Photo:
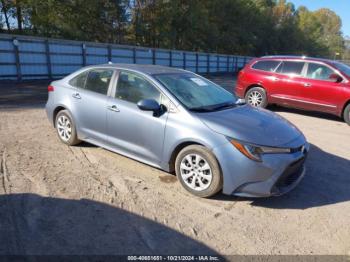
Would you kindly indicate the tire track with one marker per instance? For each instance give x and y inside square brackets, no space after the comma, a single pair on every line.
[4,173]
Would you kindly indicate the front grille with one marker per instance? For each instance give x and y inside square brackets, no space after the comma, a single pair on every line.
[291,174]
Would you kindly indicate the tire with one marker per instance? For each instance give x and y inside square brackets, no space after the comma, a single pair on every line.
[210,176]
[346,114]
[256,97]
[65,128]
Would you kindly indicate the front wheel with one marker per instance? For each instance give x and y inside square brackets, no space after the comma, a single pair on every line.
[198,171]
[257,97]
[347,114]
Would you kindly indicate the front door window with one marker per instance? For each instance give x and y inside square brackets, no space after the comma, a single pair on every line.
[132,87]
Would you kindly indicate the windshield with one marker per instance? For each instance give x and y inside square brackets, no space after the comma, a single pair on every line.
[197,93]
[343,67]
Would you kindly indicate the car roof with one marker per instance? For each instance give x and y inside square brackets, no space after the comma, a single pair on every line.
[282,57]
[146,69]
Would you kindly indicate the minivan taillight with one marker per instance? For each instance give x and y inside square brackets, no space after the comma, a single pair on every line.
[50,88]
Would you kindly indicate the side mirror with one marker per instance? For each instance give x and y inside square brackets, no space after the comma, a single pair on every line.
[148,105]
[335,78]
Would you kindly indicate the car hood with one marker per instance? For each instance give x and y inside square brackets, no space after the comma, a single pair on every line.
[252,125]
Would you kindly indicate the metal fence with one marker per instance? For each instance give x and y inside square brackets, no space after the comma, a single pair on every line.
[28,57]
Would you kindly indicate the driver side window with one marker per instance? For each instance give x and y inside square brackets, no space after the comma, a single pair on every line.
[132,87]
[319,72]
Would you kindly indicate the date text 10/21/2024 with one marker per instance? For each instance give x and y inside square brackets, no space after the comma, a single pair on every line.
[173,258]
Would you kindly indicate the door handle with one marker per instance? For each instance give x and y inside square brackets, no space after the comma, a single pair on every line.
[113,108]
[273,78]
[76,95]
[307,85]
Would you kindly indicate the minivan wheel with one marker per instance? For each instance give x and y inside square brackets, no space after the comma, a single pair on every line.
[347,114]
[66,129]
[256,96]
[198,171]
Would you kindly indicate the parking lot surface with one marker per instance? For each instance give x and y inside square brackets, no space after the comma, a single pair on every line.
[56,199]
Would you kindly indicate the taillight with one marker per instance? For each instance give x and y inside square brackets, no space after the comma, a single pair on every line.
[240,73]
[50,88]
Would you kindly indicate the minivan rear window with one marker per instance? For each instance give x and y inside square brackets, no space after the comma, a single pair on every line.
[268,65]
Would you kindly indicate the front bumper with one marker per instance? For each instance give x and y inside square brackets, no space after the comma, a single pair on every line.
[277,185]
[277,174]
[239,90]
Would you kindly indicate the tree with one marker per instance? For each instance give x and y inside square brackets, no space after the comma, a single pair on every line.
[346,53]
[103,20]
[321,31]
[4,11]
[246,27]
[330,30]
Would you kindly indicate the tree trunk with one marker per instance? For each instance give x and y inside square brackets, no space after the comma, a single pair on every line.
[4,9]
[19,14]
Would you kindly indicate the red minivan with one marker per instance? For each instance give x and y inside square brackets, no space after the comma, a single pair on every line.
[301,82]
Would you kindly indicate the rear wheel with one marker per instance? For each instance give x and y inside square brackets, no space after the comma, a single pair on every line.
[198,171]
[256,96]
[66,129]
[347,114]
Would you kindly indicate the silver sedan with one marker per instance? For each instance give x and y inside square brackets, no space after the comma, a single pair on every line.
[180,122]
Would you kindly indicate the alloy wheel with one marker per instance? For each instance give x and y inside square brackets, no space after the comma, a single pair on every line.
[255,98]
[64,128]
[196,172]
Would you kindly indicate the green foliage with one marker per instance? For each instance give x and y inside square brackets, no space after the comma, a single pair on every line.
[321,31]
[246,27]
[346,55]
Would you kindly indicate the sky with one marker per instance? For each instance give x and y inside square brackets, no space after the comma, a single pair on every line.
[340,7]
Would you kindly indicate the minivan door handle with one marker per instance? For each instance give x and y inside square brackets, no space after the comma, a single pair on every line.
[273,78]
[113,108]
[76,95]
[307,84]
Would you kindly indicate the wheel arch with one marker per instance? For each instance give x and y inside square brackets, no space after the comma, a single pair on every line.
[252,86]
[57,109]
[177,150]
[343,109]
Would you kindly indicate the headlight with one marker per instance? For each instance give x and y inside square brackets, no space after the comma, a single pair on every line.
[254,152]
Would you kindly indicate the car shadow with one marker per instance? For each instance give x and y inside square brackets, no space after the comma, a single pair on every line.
[85,144]
[277,108]
[33,224]
[326,182]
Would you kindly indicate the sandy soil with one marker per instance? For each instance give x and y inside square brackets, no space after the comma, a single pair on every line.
[56,199]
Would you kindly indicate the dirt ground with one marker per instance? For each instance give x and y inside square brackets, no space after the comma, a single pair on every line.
[56,199]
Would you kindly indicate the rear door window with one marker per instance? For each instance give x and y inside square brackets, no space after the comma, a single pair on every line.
[79,80]
[268,65]
[291,68]
[98,80]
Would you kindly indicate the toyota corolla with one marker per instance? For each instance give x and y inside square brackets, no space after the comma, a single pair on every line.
[179,122]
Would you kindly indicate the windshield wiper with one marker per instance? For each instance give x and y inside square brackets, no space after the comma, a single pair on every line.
[224,106]
[201,109]
[213,107]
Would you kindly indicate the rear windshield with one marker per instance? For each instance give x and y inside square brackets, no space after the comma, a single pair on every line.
[268,65]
